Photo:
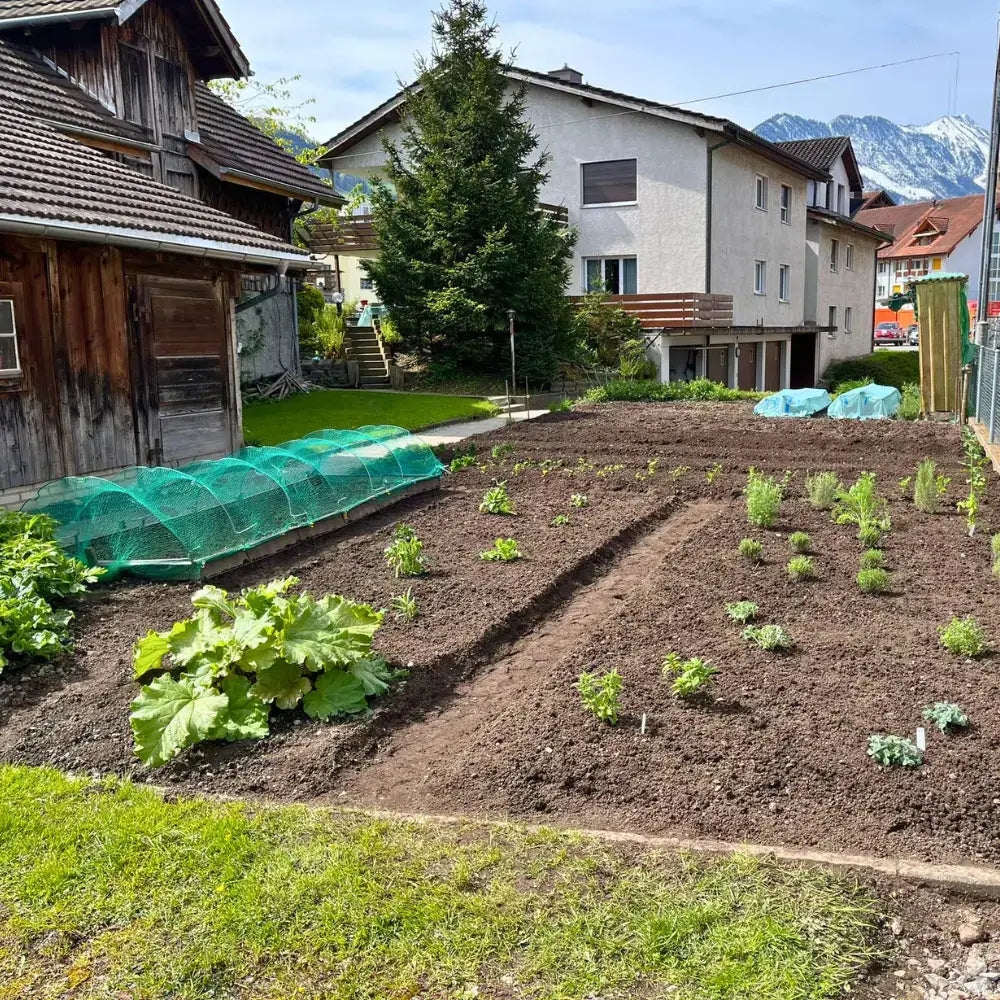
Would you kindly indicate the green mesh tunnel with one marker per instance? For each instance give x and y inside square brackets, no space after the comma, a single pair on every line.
[170,523]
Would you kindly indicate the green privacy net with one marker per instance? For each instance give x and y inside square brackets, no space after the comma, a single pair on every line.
[167,524]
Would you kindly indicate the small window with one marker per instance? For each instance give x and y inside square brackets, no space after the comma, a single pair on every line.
[784,283]
[367,284]
[612,182]
[786,204]
[614,275]
[760,192]
[833,318]
[760,277]
[849,260]
[840,198]
[834,255]
[10,362]
[848,319]
[883,267]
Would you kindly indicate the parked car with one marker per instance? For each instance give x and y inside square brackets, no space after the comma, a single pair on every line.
[889,333]
[913,335]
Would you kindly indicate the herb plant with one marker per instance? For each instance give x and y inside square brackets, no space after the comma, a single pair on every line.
[873,581]
[801,568]
[894,751]
[405,605]
[689,677]
[946,715]
[862,506]
[872,559]
[497,501]
[405,553]
[742,612]
[579,500]
[601,695]
[679,472]
[925,493]
[561,520]
[822,489]
[237,658]
[769,637]
[751,549]
[763,498]
[800,542]
[504,550]
[712,474]
[964,637]
[995,549]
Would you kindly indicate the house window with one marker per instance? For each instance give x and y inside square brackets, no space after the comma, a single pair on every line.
[848,318]
[784,282]
[760,277]
[832,318]
[611,182]
[760,192]
[367,284]
[840,199]
[10,363]
[883,267]
[614,275]
[137,95]
[834,255]
[786,204]
[849,260]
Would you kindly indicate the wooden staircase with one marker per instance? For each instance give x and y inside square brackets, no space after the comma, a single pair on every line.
[366,349]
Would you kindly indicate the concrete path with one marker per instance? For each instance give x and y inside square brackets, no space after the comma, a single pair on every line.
[454,433]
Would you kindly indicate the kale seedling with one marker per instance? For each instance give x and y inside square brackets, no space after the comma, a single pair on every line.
[946,715]
[894,751]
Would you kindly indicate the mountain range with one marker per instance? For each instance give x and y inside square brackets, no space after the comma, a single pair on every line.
[945,159]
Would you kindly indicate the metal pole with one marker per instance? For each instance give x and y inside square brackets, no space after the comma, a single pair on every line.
[989,209]
[513,364]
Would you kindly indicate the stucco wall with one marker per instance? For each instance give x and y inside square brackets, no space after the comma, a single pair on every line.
[742,233]
[967,259]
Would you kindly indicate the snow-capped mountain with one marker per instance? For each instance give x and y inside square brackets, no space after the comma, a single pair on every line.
[945,159]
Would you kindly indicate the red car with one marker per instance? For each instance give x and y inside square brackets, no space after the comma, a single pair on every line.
[890,333]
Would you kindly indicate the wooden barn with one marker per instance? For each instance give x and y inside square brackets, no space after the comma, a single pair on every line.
[135,208]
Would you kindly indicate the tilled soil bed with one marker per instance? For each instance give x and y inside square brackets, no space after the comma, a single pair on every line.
[489,722]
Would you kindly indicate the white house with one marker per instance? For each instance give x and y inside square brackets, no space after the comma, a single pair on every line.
[673,202]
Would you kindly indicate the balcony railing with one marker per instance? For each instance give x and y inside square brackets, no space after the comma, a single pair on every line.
[676,310]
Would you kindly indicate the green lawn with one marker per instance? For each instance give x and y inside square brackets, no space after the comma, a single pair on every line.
[287,419]
[107,891]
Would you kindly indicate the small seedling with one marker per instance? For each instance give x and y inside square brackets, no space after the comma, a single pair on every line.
[751,549]
[763,498]
[742,612]
[681,470]
[579,500]
[549,465]
[461,461]
[504,550]
[713,473]
[801,568]
[405,605]
[905,483]
[872,559]
[689,676]
[894,751]
[650,471]
[404,554]
[946,715]
[800,542]
[561,520]
[520,467]
[873,581]
[822,490]
[497,501]
[925,494]
[964,637]
[609,470]
[995,549]
[601,695]
[769,637]
[502,451]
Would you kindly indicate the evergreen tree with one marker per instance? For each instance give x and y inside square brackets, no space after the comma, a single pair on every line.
[461,237]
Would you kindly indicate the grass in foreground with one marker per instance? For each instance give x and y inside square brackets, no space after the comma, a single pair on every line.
[107,891]
[287,419]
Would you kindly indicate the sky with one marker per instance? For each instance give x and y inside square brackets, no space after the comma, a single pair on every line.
[351,57]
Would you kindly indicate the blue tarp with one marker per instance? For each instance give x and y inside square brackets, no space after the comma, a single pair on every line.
[794,403]
[869,402]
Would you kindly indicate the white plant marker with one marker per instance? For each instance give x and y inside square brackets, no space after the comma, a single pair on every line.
[921,739]
[642,728]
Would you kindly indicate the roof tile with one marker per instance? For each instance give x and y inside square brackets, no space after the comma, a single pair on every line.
[955,219]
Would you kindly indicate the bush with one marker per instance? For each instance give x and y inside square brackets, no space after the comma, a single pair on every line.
[404,554]
[895,368]
[964,637]
[601,695]
[310,303]
[872,559]
[634,363]
[822,489]
[801,568]
[858,383]
[751,549]
[912,404]
[873,581]
[894,751]
[604,329]
[742,612]
[763,496]
[946,715]
[700,390]
[689,676]
[769,637]
[800,542]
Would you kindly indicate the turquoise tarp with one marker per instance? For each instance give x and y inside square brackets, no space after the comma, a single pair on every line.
[869,402]
[794,403]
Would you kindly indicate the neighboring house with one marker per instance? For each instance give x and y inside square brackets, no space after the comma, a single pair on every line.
[928,236]
[134,210]
[702,223]
[343,245]
[873,199]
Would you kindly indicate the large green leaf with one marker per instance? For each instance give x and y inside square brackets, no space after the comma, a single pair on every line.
[356,625]
[214,599]
[252,630]
[308,637]
[330,632]
[375,675]
[282,683]
[148,653]
[261,600]
[170,715]
[244,717]
[336,693]
[198,639]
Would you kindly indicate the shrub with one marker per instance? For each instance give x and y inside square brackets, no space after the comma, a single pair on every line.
[964,637]
[700,390]
[872,559]
[634,363]
[563,406]
[946,715]
[405,605]
[751,549]
[861,505]
[239,657]
[504,550]
[497,501]
[801,568]
[895,368]
[404,554]
[763,497]
[822,489]
[560,520]
[769,637]
[579,500]
[603,329]
[858,383]
[912,404]
[894,751]
[689,676]
[601,695]
[800,542]
[925,493]
[742,612]
[873,581]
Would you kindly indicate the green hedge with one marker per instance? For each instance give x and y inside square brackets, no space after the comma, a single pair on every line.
[701,390]
[883,367]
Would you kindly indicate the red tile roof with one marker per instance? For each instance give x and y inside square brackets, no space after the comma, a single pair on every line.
[948,222]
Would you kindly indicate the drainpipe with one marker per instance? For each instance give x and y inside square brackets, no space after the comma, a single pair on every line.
[708,212]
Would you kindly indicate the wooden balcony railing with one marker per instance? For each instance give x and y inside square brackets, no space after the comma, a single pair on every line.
[676,310]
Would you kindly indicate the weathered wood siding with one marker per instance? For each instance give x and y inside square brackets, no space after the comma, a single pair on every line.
[271,213]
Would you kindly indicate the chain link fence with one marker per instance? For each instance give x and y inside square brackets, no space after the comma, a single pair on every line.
[986,404]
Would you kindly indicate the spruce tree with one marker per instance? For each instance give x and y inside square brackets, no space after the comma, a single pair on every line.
[461,236]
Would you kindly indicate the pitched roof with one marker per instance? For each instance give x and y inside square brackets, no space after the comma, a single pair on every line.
[825,152]
[947,222]
[50,183]
[237,151]
[388,111]
[876,199]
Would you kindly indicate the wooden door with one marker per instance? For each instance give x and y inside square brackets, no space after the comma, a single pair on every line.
[772,366]
[191,412]
[718,364]
[746,374]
